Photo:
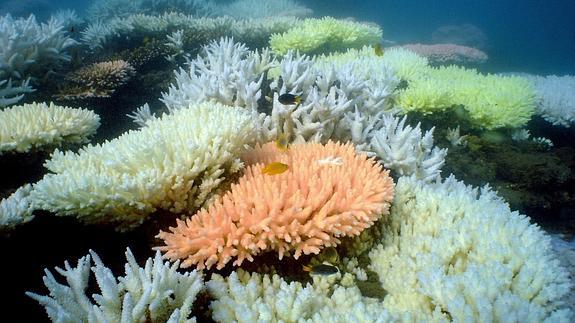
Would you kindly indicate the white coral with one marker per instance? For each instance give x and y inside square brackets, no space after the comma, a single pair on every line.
[453,252]
[154,293]
[28,48]
[11,94]
[555,97]
[16,209]
[174,163]
[406,150]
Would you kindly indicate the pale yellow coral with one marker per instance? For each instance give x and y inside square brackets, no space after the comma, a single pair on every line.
[174,163]
[39,125]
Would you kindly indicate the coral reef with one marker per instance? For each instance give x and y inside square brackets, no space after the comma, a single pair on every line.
[11,94]
[555,97]
[42,126]
[153,293]
[448,53]
[174,163]
[16,209]
[327,193]
[31,49]
[451,252]
[315,36]
[99,80]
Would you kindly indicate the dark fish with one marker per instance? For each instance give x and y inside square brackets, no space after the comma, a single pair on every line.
[288,98]
[378,50]
[321,269]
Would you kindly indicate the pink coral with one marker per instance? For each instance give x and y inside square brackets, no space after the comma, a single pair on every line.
[448,53]
[328,192]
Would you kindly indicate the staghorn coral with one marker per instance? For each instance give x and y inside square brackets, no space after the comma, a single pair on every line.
[453,252]
[153,293]
[39,125]
[11,94]
[174,163]
[314,36]
[327,193]
[30,49]
[99,80]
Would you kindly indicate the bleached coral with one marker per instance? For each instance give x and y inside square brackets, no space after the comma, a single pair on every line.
[455,138]
[31,49]
[11,94]
[227,73]
[406,150]
[244,297]
[174,163]
[153,293]
[39,125]
[555,97]
[452,252]
[291,212]
[102,10]
[16,209]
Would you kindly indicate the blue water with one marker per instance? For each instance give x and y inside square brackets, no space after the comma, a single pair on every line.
[534,36]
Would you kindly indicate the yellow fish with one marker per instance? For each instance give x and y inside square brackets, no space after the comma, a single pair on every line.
[378,50]
[282,142]
[274,168]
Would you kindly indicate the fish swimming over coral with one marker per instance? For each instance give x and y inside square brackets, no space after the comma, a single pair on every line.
[289,99]
[274,168]
[321,269]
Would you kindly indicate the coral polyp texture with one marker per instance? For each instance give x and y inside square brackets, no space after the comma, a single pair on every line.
[40,126]
[173,163]
[314,36]
[453,252]
[99,80]
[328,192]
[16,209]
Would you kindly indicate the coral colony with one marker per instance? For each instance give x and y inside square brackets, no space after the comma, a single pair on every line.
[280,138]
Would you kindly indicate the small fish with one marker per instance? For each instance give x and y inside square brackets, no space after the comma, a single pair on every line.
[282,142]
[274,168]
[72,29]
[321,269]
[378,50]
[288,98]
[330,255]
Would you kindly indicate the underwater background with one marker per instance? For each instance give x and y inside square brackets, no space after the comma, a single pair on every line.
[528,158]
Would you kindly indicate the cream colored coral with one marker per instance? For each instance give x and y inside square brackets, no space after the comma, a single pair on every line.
[174,163]
[39,125]
[452,252]
[327,193]
[16,209]
[244,297]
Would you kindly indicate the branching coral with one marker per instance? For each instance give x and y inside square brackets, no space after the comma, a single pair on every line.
[174,163]
[555,97]
[30,49]
[452,252]
[257,9]
[98,80]
[327,193]
[153,293]
[39,125]
[16,209]
[11,94]
[313,36]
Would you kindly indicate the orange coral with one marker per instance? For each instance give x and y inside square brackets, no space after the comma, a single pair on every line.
[328,192]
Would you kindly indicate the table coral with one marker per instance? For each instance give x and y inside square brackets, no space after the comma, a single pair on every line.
[328,192]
